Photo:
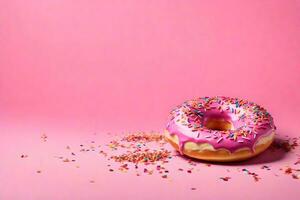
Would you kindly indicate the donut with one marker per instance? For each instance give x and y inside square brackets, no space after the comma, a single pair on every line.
[220,129]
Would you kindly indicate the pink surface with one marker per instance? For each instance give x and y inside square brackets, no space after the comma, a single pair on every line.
[71,68]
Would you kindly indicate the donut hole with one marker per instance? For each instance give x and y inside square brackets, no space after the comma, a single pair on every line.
[218,121]
[218,124]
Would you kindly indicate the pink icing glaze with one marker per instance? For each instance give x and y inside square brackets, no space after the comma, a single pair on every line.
[250,122]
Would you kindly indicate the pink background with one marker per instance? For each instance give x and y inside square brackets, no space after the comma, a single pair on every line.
[103,66]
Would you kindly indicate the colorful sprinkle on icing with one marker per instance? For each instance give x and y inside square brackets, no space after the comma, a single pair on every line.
[247,122]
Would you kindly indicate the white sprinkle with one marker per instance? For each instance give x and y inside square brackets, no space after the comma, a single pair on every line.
[220,139]
[208,136]
[254,136]
[240,141]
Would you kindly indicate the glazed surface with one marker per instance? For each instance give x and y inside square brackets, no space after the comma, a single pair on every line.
[248,123]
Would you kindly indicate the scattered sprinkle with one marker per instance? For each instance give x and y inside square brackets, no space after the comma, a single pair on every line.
[44,137]
[164,176]
[143,156]
[225,178]
[254,175]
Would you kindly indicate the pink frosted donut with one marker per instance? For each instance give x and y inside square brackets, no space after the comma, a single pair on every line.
[220,129]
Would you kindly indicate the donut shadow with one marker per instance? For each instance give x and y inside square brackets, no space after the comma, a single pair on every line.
[272,154]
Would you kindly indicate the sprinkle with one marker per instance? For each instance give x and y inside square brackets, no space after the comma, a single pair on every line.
[265,167]
[240,141]
[164,176]
[225,178]
[235,136]
[288,170]
[143,156]
[143,136]
[44,137]
[24,156]
[297,162]
[254,175]
[219,140]
[296,176]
